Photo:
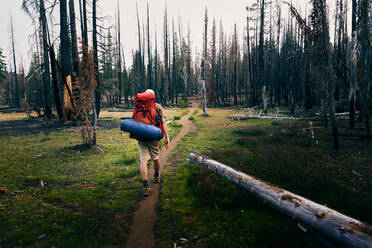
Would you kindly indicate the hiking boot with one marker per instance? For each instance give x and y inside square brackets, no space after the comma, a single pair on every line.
[146,191]
[157,179]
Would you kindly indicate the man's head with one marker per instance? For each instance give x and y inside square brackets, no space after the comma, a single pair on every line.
[150,91]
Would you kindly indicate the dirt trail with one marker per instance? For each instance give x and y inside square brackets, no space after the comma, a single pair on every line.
[142,233]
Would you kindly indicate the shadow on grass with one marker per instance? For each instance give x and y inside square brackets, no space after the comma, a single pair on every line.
[36,125]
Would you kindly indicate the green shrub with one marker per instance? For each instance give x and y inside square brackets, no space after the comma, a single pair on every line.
[174,124]
[183,104]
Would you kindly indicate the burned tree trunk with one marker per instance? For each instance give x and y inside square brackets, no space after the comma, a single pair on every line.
[16,93]
[74,46]
[55,82]
[46,70]
[97,92]
[204,96]
[352,65]
[341,228]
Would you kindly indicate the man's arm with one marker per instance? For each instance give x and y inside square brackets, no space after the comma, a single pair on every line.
[165,132]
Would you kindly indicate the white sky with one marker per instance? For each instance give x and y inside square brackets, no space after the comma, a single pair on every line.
[192,11]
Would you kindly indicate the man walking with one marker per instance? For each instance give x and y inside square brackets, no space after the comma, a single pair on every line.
[150,149]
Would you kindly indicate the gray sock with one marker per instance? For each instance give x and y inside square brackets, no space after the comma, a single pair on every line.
[145,184]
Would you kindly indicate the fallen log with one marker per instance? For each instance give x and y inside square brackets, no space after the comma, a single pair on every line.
[263,117]
[340,228]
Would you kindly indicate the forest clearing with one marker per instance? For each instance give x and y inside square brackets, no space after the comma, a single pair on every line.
[200,123]
[63,197]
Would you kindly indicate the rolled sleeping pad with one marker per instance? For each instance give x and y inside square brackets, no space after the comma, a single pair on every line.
[142,130]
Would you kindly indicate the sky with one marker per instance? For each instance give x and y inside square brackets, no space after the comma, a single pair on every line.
[191,12]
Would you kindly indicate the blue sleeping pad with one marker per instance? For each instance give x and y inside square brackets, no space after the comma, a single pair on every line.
[145,131]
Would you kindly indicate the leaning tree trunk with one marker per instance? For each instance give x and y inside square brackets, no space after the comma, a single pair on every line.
[341,228]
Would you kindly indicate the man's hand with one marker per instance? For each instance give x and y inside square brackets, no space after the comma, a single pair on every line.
[166,142]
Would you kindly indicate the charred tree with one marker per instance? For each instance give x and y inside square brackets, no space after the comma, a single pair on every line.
[97,92]
[119,58]
[55,83]
[84,21]
[353,60]
[363,69]
[166,58]
[16,90]
[65,43]
[46,69]
[74,44]
[149,58]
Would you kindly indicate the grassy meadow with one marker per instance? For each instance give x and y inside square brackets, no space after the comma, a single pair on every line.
[65,197]
[199,209]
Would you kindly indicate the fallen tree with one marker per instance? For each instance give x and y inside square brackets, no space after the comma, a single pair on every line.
[340,228]
[264,117]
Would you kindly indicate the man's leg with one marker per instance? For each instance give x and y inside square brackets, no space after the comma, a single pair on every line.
[143,169]
[146,188]
[156,169]
[144,157]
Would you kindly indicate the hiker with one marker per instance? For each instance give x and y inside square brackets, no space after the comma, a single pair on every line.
[149,149]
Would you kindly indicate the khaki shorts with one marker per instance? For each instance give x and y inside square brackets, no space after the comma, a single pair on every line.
[149,149]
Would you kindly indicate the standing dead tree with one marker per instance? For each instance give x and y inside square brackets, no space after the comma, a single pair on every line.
[85,104]
[16,91]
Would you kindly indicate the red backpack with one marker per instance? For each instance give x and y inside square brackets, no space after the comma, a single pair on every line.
[145,112]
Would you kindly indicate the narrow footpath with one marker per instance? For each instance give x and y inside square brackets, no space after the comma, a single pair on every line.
[142,230]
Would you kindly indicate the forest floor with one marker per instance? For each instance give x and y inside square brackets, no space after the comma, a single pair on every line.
[64,197]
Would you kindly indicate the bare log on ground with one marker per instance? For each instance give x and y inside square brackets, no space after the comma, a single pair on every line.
[341,228]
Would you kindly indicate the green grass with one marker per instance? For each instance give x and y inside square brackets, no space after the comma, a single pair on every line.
[183,104]
[88,198]
[183,113]
[195,203]
[174,124]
